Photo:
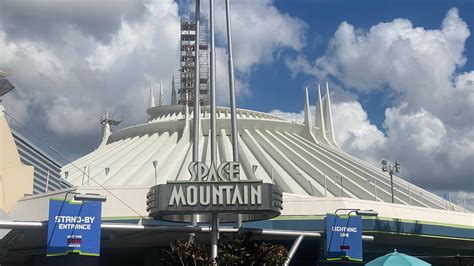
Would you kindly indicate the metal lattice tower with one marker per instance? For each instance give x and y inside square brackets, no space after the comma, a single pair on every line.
[187,62]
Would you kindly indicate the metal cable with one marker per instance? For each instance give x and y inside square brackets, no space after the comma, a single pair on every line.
[71,163]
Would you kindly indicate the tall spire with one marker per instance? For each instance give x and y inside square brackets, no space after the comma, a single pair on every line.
[161,100]
[151,102]
[308,131]
[173,92]
[319,113]
[328,118]
[307,114]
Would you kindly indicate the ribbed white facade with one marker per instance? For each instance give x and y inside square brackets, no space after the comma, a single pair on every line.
[301,159]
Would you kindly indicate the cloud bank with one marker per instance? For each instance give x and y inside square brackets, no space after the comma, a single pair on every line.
[429,127]
[74,60]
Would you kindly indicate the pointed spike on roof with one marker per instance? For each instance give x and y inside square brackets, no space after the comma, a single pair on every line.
[161,100]
[151,102]
[319,112]
[307,114]
[173,92]
[328,117]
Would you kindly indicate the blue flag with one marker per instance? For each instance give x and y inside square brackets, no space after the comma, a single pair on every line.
[74,227]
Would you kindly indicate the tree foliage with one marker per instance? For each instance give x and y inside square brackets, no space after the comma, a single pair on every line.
[238,250]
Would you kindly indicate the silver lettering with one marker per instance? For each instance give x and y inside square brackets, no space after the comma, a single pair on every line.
[177,197]
[237,198]
[256,195]
[234,171]
[192,196]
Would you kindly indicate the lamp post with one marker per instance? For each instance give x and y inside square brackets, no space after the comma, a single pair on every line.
[391,169]
[155,164]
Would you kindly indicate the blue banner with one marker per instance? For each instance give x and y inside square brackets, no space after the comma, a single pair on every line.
[74,227]
[343,237]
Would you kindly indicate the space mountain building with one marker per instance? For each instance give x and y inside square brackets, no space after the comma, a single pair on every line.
[313,175]
[304,160]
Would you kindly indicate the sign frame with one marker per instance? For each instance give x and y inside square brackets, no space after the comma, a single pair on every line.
[343,239]
[74,227]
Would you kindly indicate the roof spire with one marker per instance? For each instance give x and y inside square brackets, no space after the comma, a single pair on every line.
[308,131]
[161,100]
[328,118]
[319,112]
[307,115]
[151,102]
[173,92]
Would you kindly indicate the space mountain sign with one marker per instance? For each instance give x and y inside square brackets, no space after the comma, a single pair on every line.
[214,190]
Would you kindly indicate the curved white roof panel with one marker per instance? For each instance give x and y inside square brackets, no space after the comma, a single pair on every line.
[299,158]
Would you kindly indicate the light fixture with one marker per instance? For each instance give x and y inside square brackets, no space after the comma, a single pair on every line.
[90,197]
[367,213]
[390,169]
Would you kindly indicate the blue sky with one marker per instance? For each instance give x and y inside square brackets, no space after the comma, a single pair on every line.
[400,72]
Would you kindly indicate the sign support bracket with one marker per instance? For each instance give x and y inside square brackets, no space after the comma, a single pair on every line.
[293,249]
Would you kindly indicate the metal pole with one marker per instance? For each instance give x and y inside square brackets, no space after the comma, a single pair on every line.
[155,164]
[214,236]
[233,115]
[197,110]
[293,249]
[83,174]
[213,85]
[375,189]
[196,88]
[235,150]
[391,184]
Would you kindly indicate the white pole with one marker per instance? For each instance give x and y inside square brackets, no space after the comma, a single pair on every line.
[196,87]
[155,164]
[213,85]
[409,194]
[214,236]
[235,150]
[375,189]
[83,174]
[197,110]
[233,112]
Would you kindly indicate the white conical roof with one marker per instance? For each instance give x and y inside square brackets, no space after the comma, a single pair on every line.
[299,163]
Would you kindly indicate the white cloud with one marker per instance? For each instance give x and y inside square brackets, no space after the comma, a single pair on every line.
[259,31]
[72,60]
[429,127]
[65,83]
[354,132]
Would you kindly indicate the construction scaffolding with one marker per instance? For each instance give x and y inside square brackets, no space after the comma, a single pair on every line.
[188,60]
